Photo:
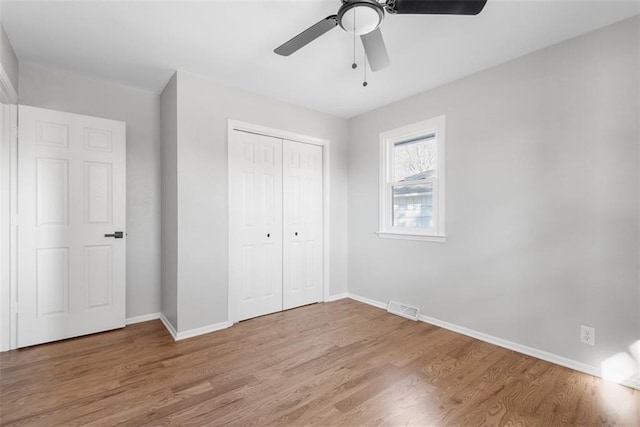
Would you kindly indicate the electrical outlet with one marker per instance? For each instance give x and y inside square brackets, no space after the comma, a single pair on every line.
[587,335]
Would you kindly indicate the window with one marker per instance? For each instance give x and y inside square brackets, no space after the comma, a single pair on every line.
[412,182]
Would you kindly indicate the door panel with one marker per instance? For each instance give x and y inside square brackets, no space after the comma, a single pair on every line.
[52,281]
[302,224]
[99,275]
[98,192]
[71,192]
[255,225]
[52,187]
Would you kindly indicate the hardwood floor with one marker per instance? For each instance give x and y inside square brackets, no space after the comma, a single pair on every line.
[341,363]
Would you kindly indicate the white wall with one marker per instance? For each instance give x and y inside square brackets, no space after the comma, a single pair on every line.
[542,200]
[203,110]
[57,90]
[169,213]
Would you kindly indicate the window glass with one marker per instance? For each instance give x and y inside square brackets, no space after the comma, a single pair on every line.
[415,159]
[413,205]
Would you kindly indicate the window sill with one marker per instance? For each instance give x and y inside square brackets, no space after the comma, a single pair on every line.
[423,238]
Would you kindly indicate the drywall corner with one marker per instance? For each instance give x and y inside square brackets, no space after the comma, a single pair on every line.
[169,201]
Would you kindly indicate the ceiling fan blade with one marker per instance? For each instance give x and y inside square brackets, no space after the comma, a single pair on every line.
[375,49]
[439,7]
[307,36]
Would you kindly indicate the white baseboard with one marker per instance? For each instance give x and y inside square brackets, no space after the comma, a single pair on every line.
[177,336]
[529,351]
[337,297]
[143,318]
[169,327]
[368,301]
[633,382]
[203,330]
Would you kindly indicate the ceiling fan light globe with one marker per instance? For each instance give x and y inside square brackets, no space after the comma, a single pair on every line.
[360,18]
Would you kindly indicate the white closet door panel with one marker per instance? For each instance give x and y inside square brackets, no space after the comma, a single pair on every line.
[71,186]
[255,225]
[302,224]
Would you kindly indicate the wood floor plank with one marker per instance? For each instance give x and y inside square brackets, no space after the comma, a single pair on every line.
[339,363]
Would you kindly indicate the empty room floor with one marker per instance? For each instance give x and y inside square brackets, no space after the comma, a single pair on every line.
[340,363]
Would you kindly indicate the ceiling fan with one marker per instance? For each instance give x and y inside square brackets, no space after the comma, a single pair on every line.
[363,18]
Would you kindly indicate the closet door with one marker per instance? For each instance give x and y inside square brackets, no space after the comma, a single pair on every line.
[302,224]
[255,225]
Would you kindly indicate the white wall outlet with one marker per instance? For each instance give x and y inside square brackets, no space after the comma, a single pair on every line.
[587,335]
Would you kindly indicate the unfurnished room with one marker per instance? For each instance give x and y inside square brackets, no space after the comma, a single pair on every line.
[320,212]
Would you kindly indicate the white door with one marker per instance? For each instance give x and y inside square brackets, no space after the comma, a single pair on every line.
[302,219]
[255,225]
[71,196]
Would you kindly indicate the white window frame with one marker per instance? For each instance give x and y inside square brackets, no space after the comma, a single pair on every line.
[434,126]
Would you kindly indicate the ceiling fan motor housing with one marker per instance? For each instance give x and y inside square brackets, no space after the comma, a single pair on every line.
[360,16]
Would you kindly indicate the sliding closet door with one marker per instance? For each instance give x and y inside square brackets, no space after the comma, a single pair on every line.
[302,224]
[255,224]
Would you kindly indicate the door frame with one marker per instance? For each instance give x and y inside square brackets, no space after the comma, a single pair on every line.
[8,213]
[233,125]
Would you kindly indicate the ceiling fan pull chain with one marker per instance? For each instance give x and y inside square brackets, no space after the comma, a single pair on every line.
[364,83]
[354,65]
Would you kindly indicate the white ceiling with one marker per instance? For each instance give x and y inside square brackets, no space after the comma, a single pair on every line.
[140,43]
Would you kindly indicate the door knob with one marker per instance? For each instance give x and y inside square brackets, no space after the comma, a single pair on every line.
[116,235]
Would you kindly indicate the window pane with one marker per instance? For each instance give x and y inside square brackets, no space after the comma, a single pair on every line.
[413,206]
[414,159]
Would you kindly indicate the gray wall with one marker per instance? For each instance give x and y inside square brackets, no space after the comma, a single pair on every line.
[542,200]
[203,110]
[169,181]
[8,59]
[57,90]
